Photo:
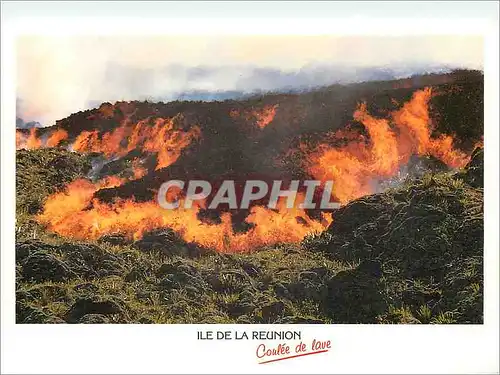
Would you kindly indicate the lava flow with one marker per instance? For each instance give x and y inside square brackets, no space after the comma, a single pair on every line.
[354,167]
[261,117]
[162,137]
[33,142]
[133,219]
[75,212]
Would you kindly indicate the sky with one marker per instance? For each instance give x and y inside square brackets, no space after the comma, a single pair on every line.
[58,75]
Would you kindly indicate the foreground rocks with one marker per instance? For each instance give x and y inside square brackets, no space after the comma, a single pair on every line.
[410,255]
[425,243]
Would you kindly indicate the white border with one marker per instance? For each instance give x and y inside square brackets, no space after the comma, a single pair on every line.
[174,348]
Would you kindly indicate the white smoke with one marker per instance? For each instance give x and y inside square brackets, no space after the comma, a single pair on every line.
[58,76]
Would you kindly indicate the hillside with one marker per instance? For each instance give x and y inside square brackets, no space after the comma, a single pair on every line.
[405,247]
[410,255]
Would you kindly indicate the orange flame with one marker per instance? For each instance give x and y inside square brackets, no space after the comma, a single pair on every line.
[20,140]
[57,137]
[109,182]
[67,214]
[163,138]
[354,166]
[138,170]
[262,117]
[265,116]
[168,142]
[86,142]
[33,142]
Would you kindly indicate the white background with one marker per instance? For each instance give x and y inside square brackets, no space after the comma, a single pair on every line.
[174,348]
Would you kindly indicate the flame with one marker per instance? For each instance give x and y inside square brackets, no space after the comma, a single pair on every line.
[262,117]
[20,140]
[163,138]
[57,137]
[413,122]
[354,167]
[33,142]
[109,182]
[61,206]
[167,142]
[86,142]
[265,116]
[68,214]
[138,170]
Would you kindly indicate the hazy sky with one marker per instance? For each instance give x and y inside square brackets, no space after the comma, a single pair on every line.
[60,75]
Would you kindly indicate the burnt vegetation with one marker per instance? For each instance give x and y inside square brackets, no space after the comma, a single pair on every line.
[412,254]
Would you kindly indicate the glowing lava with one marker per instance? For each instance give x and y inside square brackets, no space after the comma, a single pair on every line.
[160,136]
[73,213]
[392,142]
[353,168]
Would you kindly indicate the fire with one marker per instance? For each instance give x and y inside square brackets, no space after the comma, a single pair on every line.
[262,117]
[355,167]
[138,170]
[109,182]
[33,142]
[73,213]
[20,140]
[265,116]
[86,141]
[413,122]
[57,137]
[61,206]
[163,137]
[167,142]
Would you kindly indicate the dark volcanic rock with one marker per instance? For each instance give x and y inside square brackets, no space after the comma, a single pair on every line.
[138,272]
[410,243]
[90,261]
[45,267]
[26,248]
[359,212]
[86,306]
[167,242]
[355,297]
[371,268]
[272,310]
[165,269]
[474,170]
[26,314]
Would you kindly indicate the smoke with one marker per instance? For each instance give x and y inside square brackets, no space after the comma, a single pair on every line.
[21,124]
[58,76]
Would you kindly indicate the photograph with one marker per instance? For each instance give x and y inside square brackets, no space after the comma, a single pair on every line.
[244,186]
[256,189]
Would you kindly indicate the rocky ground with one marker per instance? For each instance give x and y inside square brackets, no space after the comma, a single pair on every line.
[413,254]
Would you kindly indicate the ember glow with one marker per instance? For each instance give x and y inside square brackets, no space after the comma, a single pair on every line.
[133,219]
[391,141]
[261,117]
[160,136]
[32,141]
